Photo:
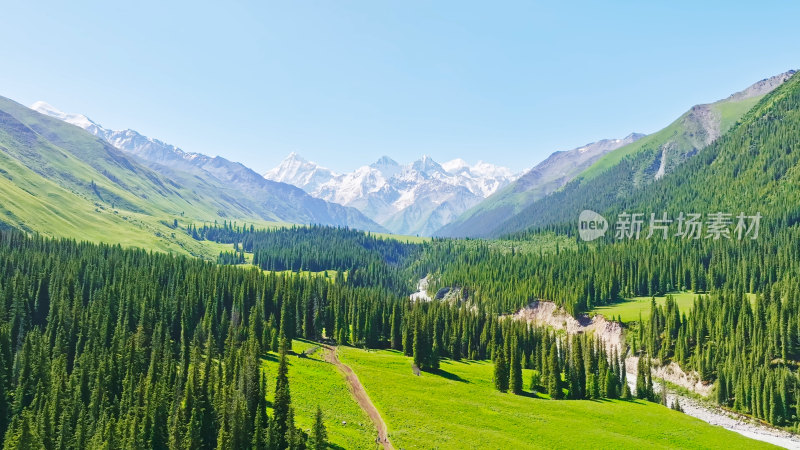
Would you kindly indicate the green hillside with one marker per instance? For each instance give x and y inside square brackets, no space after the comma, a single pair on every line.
[458,407]
[60,181]
[617,180]
[682,137]
[617,174]
[753,168]
[547,177]
[315,382]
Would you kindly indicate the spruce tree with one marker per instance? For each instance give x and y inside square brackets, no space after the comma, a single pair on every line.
[554,384]
[722,389]
[282,403]
[641,380]
[420,356]
[396,331]
[319,435]
[516,369]
[500,370]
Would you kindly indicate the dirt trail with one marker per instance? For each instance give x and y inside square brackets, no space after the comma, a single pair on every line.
[361,396]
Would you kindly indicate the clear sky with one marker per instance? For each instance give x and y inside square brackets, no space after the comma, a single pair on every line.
[343,83]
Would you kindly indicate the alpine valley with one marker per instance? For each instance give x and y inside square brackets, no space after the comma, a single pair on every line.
[156,298]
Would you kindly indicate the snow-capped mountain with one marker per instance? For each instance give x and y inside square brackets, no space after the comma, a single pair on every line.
[227,181]
[299,172]
[548,176]
[417,198]
[129,141]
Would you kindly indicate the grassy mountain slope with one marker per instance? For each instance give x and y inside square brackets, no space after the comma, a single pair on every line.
[753,168]
[548,176]
[419,412]
[219,180]
[625,171]
[60,181]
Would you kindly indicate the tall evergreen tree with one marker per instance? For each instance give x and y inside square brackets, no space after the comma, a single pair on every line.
[282,404]
[319,435]
[500,370]
[516,369]
[554,383]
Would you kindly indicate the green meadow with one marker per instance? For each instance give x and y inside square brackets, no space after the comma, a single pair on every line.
[629,309]
[313,382]
[458,408]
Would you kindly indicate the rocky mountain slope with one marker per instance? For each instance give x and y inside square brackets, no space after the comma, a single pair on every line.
[412,199]
[548,176]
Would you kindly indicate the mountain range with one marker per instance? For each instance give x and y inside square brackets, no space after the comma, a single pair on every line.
[548,176]
[410,199]
[618,172]
[229,182]
[94,180]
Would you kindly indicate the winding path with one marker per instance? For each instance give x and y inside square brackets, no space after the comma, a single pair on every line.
[357,389]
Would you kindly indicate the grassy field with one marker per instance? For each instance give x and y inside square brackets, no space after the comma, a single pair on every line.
[459,408]
[629,309]
[313,381]
[403,238]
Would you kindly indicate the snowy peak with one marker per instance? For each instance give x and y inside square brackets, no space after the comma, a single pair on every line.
[74,119]
[386,166]
[295,170]
[427,165]
[415,198]
[227,182]
[384,161]
[130,141]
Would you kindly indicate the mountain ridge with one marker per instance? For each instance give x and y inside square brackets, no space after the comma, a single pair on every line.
[546,177]
[619,175]
[217,176]
[411,199]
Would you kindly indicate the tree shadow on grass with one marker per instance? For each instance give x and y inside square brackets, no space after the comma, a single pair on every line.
[447,375]
[529,394]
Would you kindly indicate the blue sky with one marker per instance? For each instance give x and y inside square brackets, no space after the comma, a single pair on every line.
[343,83]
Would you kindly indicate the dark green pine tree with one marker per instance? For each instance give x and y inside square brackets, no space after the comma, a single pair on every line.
[641,380]
[421,347]
[5,370]
[23,436]
[282,403]
[295,438]
[396,330]
[722,389]
[651,393]
[261,421]
[500,370]
[554,383]
[319,435]
[408,336]
[516,369]
[200,433]
[288,326]
[577,373]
